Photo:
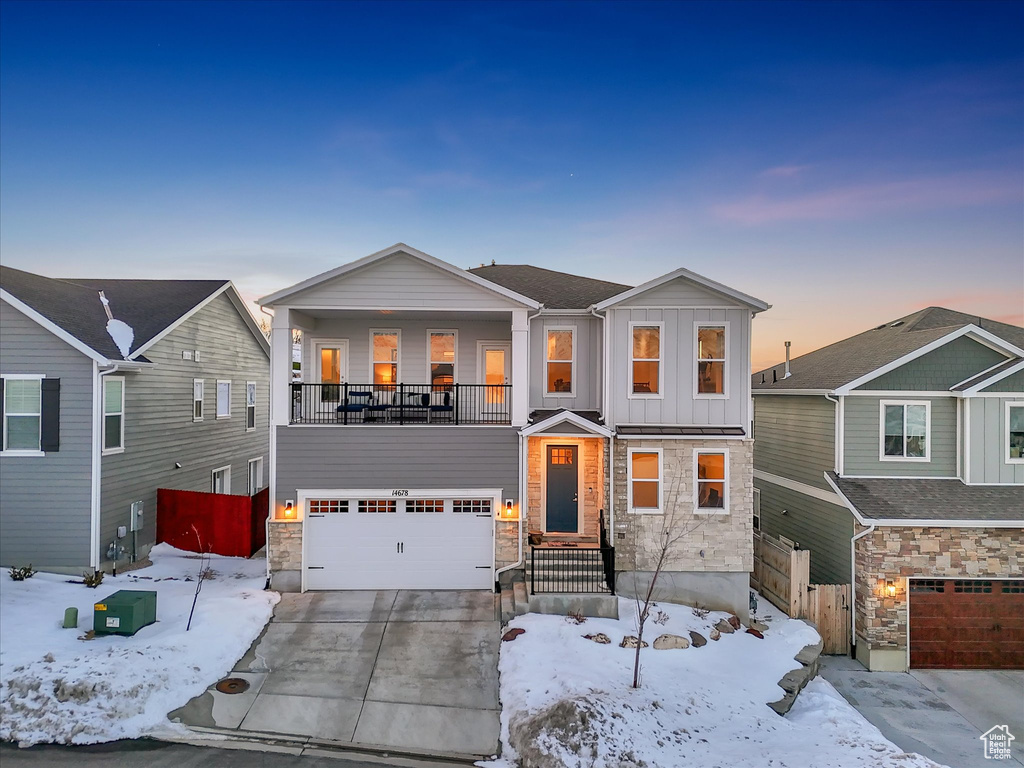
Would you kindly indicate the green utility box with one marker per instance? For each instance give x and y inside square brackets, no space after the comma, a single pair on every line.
[124,612]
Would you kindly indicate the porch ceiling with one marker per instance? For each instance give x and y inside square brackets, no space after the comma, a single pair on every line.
[387,315]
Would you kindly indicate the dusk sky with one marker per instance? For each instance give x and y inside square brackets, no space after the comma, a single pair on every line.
[847,163]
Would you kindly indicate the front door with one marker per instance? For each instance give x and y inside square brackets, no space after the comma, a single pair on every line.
[331,362]
[494,373]
[562,489]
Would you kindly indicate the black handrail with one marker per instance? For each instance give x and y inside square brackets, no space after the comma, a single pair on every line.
[400,404]
[577,570]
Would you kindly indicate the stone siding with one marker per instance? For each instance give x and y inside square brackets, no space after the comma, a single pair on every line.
[594,482]
[710,542]
[893,554]
[284,548]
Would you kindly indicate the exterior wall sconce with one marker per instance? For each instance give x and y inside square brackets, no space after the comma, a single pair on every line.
[886,588]
[289,510]
[509,511]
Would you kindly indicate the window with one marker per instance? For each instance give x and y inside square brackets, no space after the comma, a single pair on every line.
[23,413]
[442,359]
[384,349]
[255,476]
[425,506]
[472,506]
[221,480]
[250,406]
[113,414]
[904,430]
[1015,433]
[712,486]
[197,399]
[644,480]
[327,506]
[710,360]
[371,506]
[646,360]
[223,399]
[561,353]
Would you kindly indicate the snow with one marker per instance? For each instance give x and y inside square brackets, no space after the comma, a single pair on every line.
[567,700]
[122,334]
[57,687]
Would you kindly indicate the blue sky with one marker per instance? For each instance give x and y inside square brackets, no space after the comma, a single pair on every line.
[847,163]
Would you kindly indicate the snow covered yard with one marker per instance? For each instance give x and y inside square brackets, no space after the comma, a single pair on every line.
[56,687]
[567,700]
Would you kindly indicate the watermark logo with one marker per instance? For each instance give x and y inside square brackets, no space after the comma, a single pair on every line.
[997,742]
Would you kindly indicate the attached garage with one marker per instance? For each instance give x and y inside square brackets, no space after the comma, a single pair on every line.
[966,624]
[387,539]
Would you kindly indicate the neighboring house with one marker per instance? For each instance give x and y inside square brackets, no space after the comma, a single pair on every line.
[897,458]
[112,389]
[444,414]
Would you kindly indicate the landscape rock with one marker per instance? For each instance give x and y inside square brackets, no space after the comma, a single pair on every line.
[725,627]
[512,634]
[758,625]
[734,622]
[754,632]
[715,634]
[600,637]
[697,639]
[630,641]
[668,642]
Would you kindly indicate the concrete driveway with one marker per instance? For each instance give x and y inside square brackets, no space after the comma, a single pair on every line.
[939,713]
[400,670]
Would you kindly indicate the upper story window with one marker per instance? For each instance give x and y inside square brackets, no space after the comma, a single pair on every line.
[385,357]
[442,359]
[646,359]
[644,480]
[198,385]
[1015,433]
[23,413]
[711,359]
[712,487]
[561,347]
[905,430]
[113,414]
[250,405]
[223,399]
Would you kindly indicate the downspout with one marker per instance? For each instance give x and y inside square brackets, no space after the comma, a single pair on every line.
[97,468]
[272,447]
[522,509]
[605,399]
[835,435]
[604,363]
[853,586]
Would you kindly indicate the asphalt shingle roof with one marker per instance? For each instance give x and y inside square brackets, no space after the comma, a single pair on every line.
[986,375]
[555,290]
[148,306]
[899,498]
[846,360]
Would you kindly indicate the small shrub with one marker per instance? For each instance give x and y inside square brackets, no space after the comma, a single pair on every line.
[92,580]
[20,574]
[700,611]
[575,617]
[660,618]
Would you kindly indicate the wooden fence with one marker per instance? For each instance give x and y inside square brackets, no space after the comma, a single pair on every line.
[782,576]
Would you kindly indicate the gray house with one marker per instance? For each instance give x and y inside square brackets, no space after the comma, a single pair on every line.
[897,458]
[112,389]
[447,418]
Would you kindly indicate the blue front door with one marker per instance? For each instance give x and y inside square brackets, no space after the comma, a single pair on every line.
[562,490]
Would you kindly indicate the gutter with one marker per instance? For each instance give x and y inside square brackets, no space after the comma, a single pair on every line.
[272,450]
[835,435]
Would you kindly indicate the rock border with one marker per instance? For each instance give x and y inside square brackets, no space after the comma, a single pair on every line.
[794,681]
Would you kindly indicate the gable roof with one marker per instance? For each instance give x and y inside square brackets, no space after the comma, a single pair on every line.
[706,282]
[846,361]
[989,377]
[150,307]
[555,290]
[462,274]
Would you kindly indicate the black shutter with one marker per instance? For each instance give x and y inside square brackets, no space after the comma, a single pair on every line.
[51,415]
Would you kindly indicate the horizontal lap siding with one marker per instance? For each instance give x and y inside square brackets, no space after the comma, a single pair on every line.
[396,457]
[794,436]
[159,430]
[862,439]
[988,440]
[823,528]
[45,501]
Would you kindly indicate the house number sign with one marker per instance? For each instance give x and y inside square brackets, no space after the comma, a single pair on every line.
[400,493]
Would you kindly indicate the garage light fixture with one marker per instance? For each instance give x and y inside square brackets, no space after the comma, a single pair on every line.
[508,512]
[890,588]
[289,510]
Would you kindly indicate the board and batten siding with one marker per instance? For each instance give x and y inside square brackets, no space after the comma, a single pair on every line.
[862,439]
[794,437]
[400,280]
[46,501]
[940,369]
[159,430]
[372,457]
[679,360]
[988,439]
[588,340]
[823,528]
[413,365]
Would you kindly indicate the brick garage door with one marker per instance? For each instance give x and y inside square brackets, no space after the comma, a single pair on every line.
[968,624]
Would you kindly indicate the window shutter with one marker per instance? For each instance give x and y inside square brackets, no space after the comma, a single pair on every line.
[51,415]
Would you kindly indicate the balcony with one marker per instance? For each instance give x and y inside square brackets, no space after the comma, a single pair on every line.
[401,404]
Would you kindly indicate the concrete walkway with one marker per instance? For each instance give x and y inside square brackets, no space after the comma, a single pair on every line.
[938,713]
[401,670]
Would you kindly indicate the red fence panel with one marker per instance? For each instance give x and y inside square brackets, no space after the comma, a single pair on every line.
[260,512]
[208,522]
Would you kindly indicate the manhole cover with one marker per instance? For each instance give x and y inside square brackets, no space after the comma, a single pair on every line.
[233,685]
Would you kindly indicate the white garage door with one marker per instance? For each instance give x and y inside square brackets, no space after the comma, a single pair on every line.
[378,541]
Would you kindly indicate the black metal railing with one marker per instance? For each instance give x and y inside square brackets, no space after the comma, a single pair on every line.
[401,404]
[607,552]
[572,569]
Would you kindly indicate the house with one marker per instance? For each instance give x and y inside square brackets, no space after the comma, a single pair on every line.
[447,417]
[112,389]
[896,457]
